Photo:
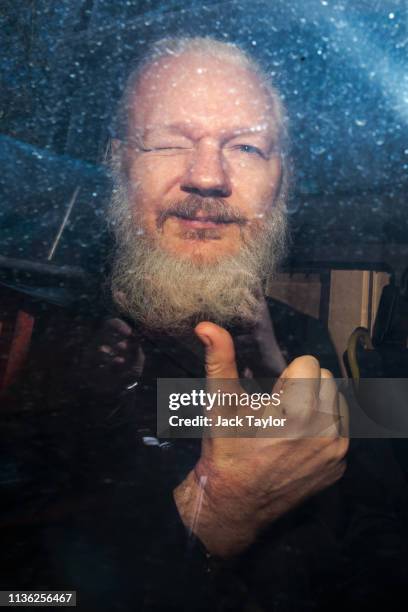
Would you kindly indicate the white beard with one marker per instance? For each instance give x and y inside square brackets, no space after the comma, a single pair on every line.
[166,293]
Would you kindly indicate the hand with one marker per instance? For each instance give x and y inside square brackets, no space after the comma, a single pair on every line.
[114,359]
[240,485]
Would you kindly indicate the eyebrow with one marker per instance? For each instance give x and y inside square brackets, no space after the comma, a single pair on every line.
[185,128]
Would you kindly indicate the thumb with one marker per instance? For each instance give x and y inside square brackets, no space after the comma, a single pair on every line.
[219,350]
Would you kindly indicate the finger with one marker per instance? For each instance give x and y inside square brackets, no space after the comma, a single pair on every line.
[119,326]
[106,350]
[299,387]
[117,335]
[113,350]
[219,351]
[108,356]
[104,357]
[306,366]
[328,408]
[118,360]
[122,346]
[115,331]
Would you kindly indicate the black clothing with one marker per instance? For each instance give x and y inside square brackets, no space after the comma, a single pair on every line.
[87,494]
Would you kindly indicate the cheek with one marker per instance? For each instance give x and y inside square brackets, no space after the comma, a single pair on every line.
[151,181]
[156,175]
[254,189]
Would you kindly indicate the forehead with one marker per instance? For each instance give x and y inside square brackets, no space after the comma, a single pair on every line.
[211,93]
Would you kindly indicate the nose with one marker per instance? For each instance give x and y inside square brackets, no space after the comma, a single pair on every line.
[206,174]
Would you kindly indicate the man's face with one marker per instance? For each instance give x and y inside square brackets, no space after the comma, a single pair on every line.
[200,159]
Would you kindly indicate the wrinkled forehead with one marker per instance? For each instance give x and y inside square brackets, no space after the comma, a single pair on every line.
[214,93]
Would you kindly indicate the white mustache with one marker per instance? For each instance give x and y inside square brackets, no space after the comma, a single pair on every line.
[213,209]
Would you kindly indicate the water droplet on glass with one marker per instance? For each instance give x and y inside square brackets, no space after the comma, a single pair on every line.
[317,149]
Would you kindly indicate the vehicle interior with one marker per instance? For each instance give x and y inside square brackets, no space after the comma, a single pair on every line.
[341,71]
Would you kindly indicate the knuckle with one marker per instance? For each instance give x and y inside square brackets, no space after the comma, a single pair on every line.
[343,446]
[306,360]
[331,441]
[311,360]
[338,450]
[118,360]
[105,348]
[217,368]
[213,369]
[326,373]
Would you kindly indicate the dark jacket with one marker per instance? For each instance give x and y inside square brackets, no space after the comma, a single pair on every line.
[87,491]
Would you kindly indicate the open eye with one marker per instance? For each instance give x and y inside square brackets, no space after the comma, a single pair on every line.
[250,149]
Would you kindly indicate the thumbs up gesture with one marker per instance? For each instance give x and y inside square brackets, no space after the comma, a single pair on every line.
[240,485]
